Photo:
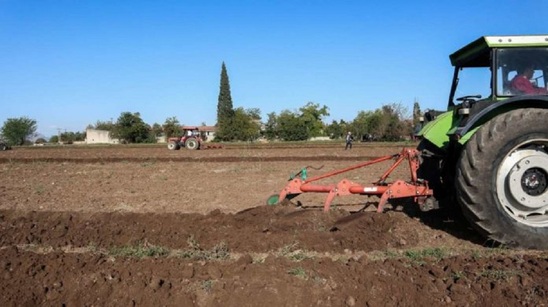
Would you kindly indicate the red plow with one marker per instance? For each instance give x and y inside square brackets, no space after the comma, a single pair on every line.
[415,188]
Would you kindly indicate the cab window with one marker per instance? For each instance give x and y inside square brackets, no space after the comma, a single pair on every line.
[509,62]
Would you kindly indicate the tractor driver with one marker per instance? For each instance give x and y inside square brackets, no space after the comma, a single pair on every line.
[521,83]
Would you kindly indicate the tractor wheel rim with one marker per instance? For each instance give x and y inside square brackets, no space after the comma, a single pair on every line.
[522,183]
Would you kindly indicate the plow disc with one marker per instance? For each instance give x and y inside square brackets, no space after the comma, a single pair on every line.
[414,188]
[206,147]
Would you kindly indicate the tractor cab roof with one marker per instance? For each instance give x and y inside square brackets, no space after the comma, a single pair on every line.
[478,52]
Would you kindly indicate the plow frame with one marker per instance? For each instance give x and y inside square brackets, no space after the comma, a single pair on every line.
[415,188]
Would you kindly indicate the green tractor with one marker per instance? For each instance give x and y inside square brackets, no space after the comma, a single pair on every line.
[489,151]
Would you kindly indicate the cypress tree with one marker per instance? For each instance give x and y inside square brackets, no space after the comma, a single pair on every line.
[416,112]
[225,110]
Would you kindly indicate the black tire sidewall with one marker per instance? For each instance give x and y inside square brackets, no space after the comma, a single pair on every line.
[486,150]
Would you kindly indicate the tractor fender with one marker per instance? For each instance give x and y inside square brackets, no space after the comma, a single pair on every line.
[436,131]
[174,139]
[475,121]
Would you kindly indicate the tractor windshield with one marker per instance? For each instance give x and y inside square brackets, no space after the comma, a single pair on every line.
[530,64]
[473,81]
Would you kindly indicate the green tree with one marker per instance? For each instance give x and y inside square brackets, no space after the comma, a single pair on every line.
[225,110]
[130,128]
[389,123]
[416,112]
[312,115]
[292,127]
[392,128]
[336,130]
[156,130]
[397,121]
[54,139]
[245,125]
[254,114]
[363,124]
[17,130]
[172,127]
[377,124]
[102,125]
[70,137]
[271,126]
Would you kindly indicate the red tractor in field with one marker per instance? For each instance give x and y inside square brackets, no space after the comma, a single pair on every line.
[191,139]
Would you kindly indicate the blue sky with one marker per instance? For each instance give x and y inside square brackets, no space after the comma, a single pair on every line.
[70,63]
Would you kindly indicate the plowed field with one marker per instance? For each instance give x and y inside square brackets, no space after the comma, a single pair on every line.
[144,226]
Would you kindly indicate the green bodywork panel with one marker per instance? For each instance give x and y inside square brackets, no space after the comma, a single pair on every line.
[438,130]
[467,136]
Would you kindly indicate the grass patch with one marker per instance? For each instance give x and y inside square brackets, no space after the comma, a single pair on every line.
[498,274]
[298,272]
[207,285]
[293,253]
[419,256]
[195,252]
[148,163]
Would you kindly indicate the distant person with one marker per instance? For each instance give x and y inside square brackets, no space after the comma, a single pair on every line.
[521,83]
[349,139]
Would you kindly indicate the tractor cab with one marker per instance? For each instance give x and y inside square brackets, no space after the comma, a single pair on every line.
[190,131]
[487,67]
[489,78]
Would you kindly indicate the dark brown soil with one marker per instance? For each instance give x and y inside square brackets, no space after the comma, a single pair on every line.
[119,226]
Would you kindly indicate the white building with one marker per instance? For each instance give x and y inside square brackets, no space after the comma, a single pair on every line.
[94,136]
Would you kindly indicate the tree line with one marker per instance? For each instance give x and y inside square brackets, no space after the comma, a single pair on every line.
[390,122]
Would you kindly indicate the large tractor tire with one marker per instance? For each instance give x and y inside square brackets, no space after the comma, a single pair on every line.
[192,144]
[173,146]
[502,179]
